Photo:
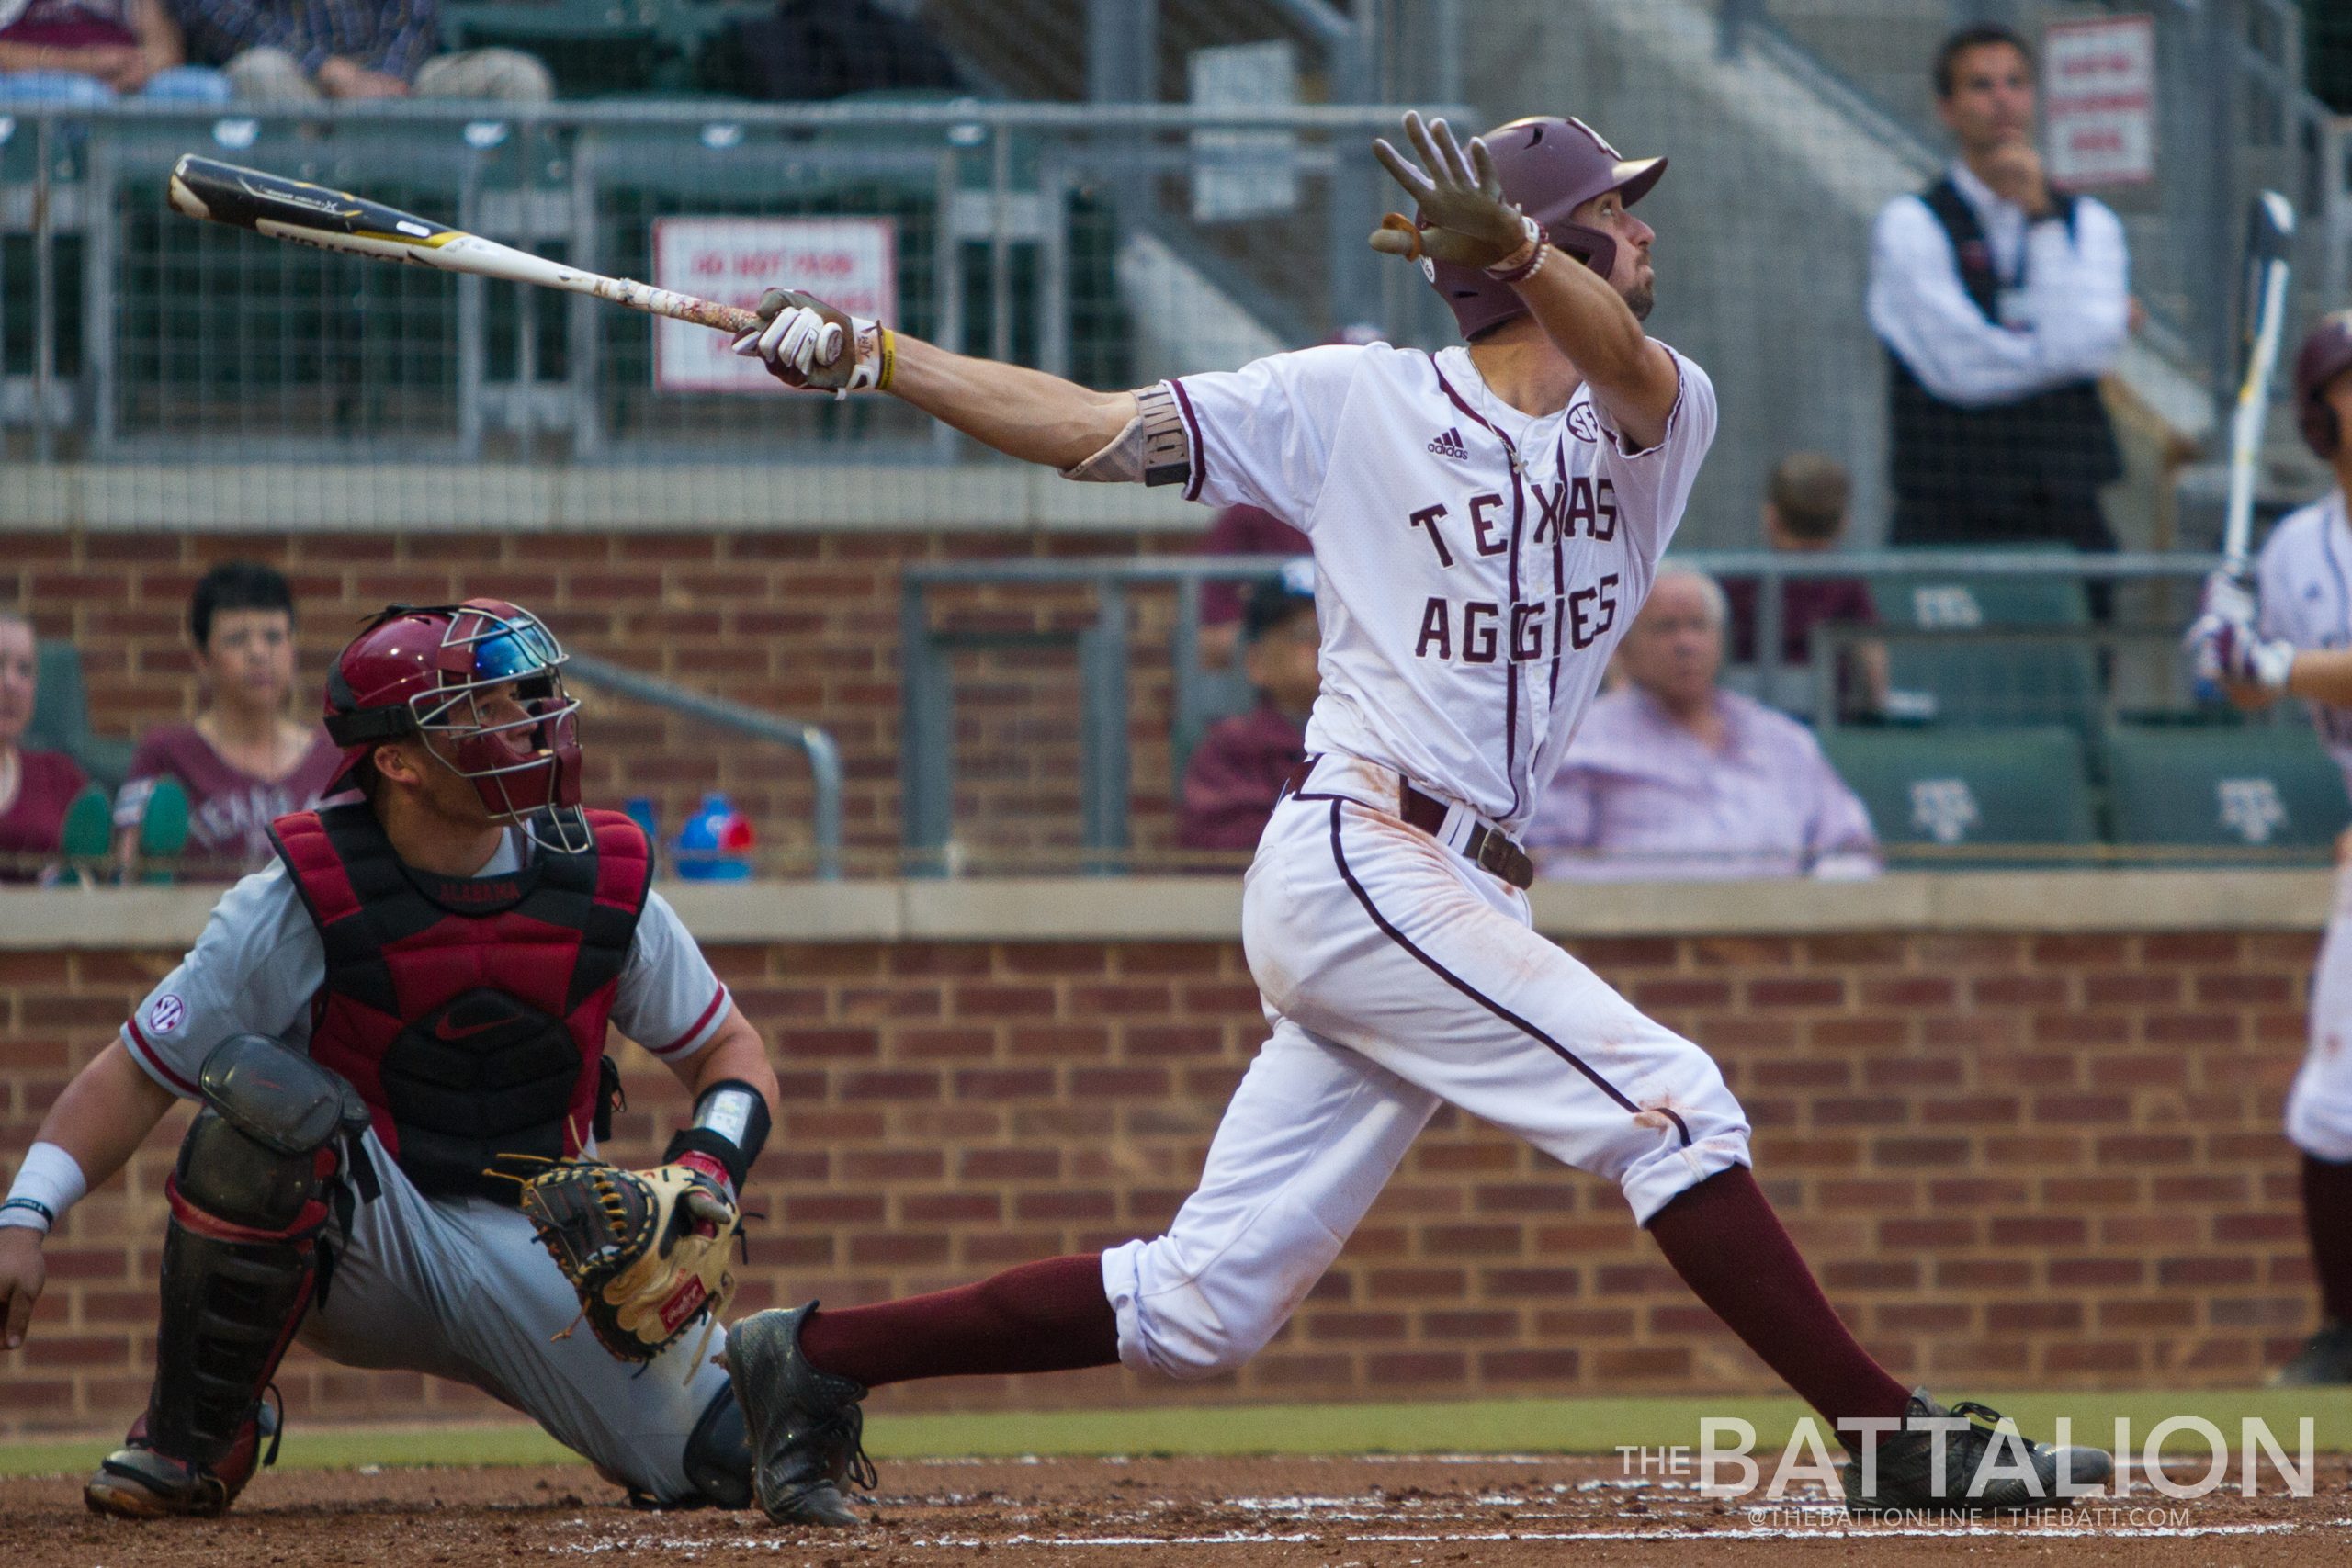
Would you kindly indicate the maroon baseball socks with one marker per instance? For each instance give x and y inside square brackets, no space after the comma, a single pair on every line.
[1724,1240]
[1049,1316]
[2327,1216]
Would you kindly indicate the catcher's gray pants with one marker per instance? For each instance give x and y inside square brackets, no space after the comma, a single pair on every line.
[460,1288]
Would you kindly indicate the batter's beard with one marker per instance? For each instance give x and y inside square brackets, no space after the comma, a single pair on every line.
[1642,298]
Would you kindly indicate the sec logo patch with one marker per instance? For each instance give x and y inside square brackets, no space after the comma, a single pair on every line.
[168,1013]
[1585,424]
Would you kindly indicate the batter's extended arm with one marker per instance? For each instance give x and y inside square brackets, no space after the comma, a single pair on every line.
[1022,412]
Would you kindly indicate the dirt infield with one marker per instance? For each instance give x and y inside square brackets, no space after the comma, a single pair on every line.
[1215,1513]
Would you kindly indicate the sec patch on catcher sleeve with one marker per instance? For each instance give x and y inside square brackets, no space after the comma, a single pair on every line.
[165,1013]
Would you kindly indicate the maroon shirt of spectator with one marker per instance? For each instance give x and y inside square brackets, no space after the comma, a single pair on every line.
[230,810]
[31,822]
[1243,531]
[1236,776]
[1805,604]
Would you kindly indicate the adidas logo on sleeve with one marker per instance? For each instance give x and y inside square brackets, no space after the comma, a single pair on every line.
[1450,446]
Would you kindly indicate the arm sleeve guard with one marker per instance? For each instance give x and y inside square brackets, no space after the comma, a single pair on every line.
[1153,447]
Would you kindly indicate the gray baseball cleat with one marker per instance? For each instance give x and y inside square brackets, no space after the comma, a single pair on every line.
[2025,1476]
[2325,1361]
[806,1427]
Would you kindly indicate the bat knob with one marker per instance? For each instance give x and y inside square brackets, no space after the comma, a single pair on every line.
[829,346]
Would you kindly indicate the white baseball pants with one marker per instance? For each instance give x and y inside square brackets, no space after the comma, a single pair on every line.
[2319,1107]
[1397,974]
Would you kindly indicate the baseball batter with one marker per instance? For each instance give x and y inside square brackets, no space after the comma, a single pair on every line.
[1485,522]
[2297,640]
[384,1030]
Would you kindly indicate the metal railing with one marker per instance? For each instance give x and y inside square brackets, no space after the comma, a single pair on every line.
[1102,649]
[131,333]
[823,753]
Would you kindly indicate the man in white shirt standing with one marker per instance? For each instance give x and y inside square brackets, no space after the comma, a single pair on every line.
[1485,522]
[2001,300]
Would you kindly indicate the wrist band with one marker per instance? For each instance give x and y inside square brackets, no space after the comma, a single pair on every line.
[730,1125]
[47,1184]
[1521,262]
[889,355]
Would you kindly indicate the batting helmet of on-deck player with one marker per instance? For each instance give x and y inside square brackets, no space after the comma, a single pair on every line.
[2325,354]
[1549,168]
[423,671]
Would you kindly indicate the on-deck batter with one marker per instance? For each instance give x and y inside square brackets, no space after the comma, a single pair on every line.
[1485,522]
[2298,641]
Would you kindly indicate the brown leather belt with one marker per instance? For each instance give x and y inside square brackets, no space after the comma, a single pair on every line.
[1486,847]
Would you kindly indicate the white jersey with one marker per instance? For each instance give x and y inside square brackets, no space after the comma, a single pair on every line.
[1474,566]
[2304,576]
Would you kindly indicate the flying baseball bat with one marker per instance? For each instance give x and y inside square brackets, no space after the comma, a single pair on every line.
[337,221]
[2271,233]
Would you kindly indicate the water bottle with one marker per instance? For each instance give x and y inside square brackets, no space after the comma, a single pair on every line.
[714,844]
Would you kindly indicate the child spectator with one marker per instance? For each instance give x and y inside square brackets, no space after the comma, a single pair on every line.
[35,786]
[1236,774]
[1804,513]
[1238,531]
[242,761]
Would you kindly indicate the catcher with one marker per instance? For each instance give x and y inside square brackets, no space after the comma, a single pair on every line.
[397,1036]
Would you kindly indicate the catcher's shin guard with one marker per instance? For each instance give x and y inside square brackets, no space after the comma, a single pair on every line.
[252,1192]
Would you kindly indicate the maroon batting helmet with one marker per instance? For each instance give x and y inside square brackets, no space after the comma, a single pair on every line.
[424,669]
[2325,354]
[1549,167]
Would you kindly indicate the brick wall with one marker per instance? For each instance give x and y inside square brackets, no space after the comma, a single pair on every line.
[2015,1160]
[803,625]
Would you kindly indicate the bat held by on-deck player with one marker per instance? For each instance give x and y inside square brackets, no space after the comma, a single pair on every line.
[310,214]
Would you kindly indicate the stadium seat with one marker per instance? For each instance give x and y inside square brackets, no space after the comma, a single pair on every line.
[61,720]
[2264,785]
[1948,787]
[1981,679]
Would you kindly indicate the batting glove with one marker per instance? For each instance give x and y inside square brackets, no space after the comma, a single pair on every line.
[2230,650]
[1465,217]
[810,345]
[2227,598]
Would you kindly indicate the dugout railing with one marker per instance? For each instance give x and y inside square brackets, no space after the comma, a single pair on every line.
[950,609]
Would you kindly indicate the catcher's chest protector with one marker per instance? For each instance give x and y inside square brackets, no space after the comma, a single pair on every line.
[468,1012]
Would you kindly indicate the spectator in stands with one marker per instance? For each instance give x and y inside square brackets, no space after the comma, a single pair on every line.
[1238,531]
[35,786]
[242,761]
[1236,774]
[1804,513]
[80,52]
[1672,776]
[2001,299]
[299,52]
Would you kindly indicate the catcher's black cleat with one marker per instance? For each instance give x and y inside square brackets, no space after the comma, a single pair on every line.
[2325,1361]
[1983,1471]
[805,1425]
[135,1481]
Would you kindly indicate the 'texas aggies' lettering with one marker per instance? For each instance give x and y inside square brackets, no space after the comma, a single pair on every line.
[1584,507]
[1587,615]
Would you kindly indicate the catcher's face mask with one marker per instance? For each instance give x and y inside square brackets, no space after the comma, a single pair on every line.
[483,683]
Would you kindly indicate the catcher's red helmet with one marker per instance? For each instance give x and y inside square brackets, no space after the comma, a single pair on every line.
[2325,354]
[1549,167]
[423,671]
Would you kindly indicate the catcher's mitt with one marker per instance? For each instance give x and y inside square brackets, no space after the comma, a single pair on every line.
[646,1250]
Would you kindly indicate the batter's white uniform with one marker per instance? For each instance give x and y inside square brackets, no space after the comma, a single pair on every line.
[1473,569]
[2304,576]
[456,1287]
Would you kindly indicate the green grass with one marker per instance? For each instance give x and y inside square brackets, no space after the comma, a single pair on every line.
[1529,1425]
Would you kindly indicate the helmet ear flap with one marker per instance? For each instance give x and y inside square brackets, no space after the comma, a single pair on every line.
[2320,427]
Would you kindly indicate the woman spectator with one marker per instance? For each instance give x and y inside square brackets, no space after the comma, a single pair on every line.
[243,761]
[35,786]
